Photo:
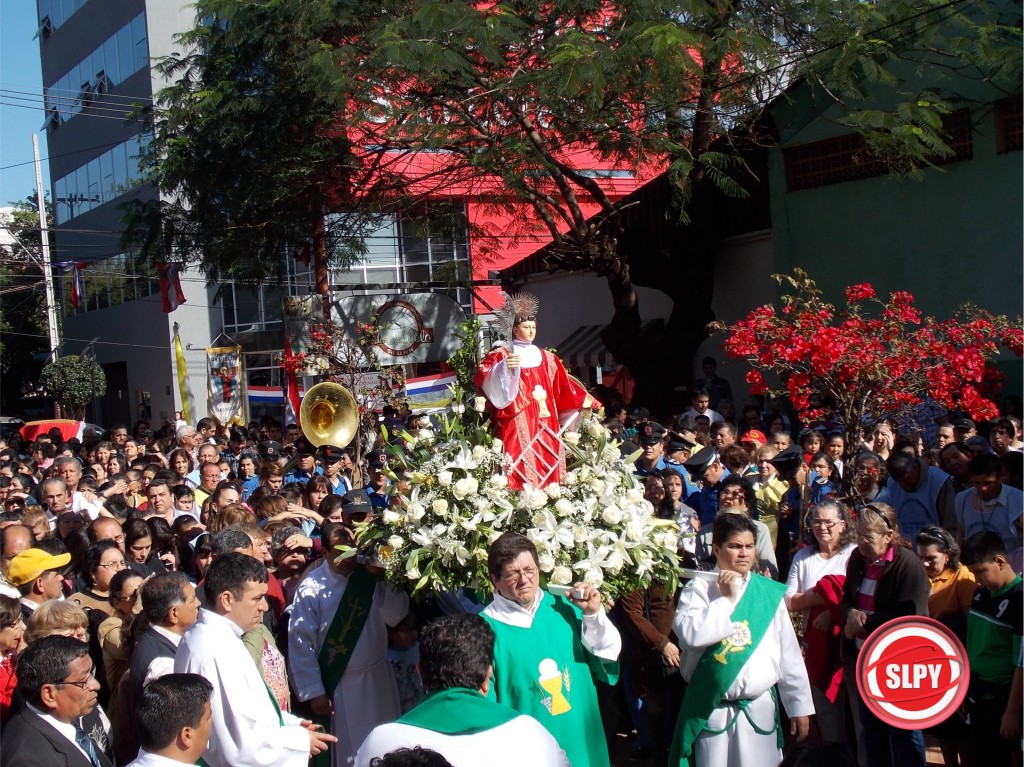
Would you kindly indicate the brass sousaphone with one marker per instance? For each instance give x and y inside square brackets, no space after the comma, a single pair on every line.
[329,415]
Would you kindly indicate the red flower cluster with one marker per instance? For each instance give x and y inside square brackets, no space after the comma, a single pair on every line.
[871,364]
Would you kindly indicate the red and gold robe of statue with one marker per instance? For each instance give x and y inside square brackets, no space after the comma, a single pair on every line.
[535,452]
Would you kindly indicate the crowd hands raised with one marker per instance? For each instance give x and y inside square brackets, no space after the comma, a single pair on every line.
[179,592]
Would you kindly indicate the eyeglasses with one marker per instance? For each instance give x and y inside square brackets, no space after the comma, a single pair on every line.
[513,576]
[828,524]
[119,564]
[81,684]
[731,494]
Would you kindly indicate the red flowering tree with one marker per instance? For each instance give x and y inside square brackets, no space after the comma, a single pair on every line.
[873,358]
[352,363]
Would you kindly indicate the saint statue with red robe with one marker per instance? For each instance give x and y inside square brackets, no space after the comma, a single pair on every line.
[531,398]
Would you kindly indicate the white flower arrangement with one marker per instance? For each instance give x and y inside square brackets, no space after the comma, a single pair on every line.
[453,502]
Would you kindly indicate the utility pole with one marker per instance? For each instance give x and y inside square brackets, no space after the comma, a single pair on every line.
[44,243]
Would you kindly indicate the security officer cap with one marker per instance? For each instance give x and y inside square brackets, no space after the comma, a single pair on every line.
[650,433]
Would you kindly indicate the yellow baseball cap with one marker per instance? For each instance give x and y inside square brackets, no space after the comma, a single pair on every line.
[31,563]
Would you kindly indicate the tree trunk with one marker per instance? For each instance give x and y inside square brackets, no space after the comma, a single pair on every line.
[321,272]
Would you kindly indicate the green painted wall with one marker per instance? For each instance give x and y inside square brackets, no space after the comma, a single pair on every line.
[953,236]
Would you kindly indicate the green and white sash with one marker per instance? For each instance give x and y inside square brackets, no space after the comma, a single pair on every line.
[721,664]
[342,636]
[458,711]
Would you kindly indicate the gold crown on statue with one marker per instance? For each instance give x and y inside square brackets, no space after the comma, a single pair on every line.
[526,306]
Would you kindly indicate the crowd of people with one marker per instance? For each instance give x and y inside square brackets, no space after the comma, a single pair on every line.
[172,595]
[921,516]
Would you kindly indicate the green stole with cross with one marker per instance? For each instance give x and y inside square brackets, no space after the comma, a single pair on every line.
[721,664]
[342,636]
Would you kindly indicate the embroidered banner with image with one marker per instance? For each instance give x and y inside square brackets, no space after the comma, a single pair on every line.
[224,383]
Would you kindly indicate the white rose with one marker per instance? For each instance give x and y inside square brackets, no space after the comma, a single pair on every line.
[537,499]
[391,517]
[460,489]
[571,437]
[595,430]
[412,573]
[498,481]
[472,484]
[569,479]
[396,542]
[553,490]
[538,519]
[459,409]
[497,446]
[611,515]
[440,506]
[561,575]
[444,478]
[563,507]
[479,452]
[415,511]
[635,495]
[579,533]
[598,486]
[546,562]
[479,403]
[594,577]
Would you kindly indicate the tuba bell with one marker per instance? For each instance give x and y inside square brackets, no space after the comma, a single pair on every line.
[329,415]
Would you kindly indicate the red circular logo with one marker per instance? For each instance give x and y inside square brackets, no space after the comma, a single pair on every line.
[912,673]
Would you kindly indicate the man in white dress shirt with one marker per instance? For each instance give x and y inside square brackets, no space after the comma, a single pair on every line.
[248,729]
[351,685]
[173,720]
[456,719]
[737,644]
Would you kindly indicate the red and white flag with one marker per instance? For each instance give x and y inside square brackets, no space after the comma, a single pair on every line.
[290,387]
[170,286]
[77,284]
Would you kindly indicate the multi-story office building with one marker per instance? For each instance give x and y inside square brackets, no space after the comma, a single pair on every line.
[97,58]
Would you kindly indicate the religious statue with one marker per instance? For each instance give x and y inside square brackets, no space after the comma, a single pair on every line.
[531,396]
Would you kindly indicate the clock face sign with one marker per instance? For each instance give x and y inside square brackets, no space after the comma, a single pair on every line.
[413,327]
[402,329]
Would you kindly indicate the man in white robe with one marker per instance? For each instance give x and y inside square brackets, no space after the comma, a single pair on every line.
[248,729]
[456,719]
[367,694]
[743,728]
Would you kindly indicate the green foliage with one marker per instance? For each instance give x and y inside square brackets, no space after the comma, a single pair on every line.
[73,381]
[464,362]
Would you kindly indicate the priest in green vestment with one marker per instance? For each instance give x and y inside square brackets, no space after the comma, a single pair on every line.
[457,719]
[550,650]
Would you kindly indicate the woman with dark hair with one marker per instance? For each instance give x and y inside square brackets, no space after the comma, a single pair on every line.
[953,587]
[202,556]
[103,560]
[318,488]
[163,542]
[884,580]
[115,632]
[330,508]
[271,477]
[12,630]
[815,586]
[138,541]
[657,494]
[181,463]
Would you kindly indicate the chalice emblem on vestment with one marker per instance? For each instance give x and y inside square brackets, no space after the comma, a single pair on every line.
[737,641]
[555,684]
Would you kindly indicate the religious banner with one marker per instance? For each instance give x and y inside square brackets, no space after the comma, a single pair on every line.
[224,383]
[300,312]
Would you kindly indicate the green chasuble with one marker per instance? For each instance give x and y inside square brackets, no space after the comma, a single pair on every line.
[545,672]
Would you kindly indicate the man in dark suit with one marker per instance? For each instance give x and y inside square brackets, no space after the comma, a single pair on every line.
[57,679]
